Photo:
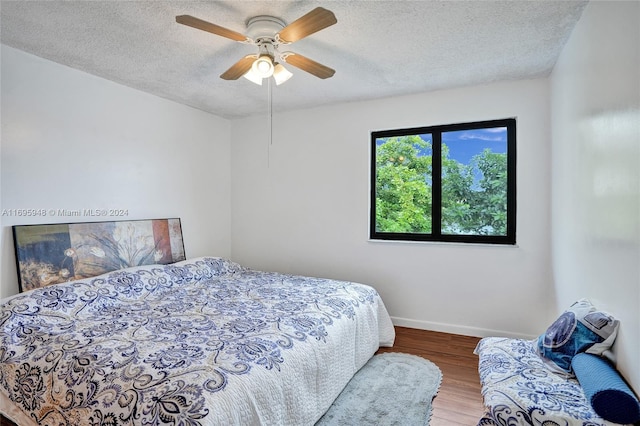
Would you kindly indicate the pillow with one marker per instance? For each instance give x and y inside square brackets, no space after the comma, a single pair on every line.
[606,390]
[581,328]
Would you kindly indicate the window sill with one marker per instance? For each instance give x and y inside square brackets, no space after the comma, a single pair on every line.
[444,243]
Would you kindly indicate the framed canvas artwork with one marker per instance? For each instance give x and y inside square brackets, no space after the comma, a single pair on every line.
[56,253]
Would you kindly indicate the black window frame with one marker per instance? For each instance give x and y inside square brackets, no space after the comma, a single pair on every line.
[436,234]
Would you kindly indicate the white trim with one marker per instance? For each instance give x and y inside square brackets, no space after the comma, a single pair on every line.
[457,329]
[443,243]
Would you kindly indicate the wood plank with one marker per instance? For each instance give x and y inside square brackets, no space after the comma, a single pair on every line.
[459,401]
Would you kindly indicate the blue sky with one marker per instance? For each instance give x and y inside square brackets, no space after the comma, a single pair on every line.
[464,144]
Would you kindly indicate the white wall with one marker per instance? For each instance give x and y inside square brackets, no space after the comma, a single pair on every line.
[595,112]
[71,140]
[301,205]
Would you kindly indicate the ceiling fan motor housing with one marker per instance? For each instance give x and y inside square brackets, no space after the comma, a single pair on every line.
[264,28]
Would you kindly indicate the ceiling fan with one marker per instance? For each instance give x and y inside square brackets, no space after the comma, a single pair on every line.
[268,34]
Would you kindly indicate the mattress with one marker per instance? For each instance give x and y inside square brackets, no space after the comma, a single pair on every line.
[520,389]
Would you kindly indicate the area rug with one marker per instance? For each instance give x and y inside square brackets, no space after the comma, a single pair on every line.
[391,389]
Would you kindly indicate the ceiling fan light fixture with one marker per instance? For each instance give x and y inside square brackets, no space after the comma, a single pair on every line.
[253,77]
[263,66]
[281,74]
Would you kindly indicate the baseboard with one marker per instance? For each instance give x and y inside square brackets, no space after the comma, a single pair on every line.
[457,329]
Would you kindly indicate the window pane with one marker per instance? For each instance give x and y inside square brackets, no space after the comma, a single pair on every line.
[452,183]
[403,185]
[474,182]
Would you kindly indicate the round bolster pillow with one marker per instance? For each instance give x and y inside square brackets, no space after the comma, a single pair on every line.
[605,389]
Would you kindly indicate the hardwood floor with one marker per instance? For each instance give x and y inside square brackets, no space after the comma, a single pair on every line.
[458,402]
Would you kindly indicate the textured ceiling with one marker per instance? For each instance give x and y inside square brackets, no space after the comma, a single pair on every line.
[378,48]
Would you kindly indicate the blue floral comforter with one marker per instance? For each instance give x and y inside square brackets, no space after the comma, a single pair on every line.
[199,342]
[520,389]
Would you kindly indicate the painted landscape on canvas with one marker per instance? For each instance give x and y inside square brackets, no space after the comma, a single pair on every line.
[50,254]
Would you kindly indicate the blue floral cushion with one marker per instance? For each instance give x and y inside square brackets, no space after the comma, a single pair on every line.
[581,328]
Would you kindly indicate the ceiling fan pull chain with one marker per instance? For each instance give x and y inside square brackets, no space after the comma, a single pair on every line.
[269,121]
[270,100]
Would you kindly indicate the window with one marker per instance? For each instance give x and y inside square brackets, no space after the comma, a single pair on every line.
[452,183]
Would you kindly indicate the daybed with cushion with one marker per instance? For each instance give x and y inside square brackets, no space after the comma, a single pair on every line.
[199,342]
[561,379]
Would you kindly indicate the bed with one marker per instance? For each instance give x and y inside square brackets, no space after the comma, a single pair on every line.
[520,389]
[204,341]
[562,378]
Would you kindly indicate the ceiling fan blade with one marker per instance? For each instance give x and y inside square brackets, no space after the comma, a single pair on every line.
[212,28]
[239,69]
[314,21]
[308,65]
